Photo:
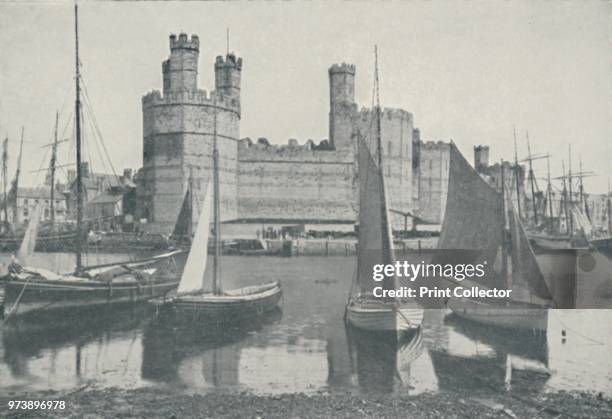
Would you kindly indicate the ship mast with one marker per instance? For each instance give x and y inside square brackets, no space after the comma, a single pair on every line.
[17,174]
[77,117]
[532,181]
[4,180]
[550,198]
[516,176]
[609,209]
[53,162]
[386,240]
[571,198]
[216,221]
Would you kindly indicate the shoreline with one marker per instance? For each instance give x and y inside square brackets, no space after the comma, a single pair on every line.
[167,403]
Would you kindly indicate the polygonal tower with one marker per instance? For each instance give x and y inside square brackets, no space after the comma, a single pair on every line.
[227,76]
[178,133]
[342,105]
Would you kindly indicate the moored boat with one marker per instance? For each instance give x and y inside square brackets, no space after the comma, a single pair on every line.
[214,306]
[29,289]
[481,219]
[364,310]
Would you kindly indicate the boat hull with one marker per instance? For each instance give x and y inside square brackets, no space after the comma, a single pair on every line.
[231,305]
[26,293]
[513,316]
[383,317]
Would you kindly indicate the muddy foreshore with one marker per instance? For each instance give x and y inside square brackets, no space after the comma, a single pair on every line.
[164,403]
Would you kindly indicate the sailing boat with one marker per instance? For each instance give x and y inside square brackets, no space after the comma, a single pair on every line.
[475,219]
[30,289]
[375,244]
[217,305]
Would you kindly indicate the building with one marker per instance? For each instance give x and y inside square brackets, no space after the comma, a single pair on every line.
[28,198]
[261,183]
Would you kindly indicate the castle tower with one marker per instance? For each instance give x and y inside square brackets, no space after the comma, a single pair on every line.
[180,71]
[342,105]
[178,135]
[481,157]
[227,76]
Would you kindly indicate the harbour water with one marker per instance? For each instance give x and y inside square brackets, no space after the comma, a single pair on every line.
[304,347]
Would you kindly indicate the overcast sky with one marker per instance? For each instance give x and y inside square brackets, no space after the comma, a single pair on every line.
[467,70]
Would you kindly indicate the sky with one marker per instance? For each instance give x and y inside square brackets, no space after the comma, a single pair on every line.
[467,71]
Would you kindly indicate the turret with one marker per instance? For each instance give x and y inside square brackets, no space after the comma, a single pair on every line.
[481,157]
[180,71]
[227,76]
[341,104]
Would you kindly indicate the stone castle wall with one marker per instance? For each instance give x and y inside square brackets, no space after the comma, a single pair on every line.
[432,181]
[295,182]
[307,183]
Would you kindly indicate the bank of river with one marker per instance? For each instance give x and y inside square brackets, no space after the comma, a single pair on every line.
[157,403]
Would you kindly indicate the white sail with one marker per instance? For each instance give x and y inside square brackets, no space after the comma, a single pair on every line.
[29,239]
[193,274]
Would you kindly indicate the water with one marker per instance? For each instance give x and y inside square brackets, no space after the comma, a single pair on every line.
[303,348]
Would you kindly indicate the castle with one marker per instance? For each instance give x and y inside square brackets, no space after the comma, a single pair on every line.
[265,183]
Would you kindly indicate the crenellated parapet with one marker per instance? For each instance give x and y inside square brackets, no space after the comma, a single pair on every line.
[434,145]
[263,151]
[365,114]
[184,42]
[198,97]
[230,61]
[342,68]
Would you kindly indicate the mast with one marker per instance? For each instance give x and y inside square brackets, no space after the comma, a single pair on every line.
[565,202]
[4,175]
[609,209]
[504,244]
[531,181]
[53,162]
[77,117]
[190,192]
[516,176]
[583,199]
[386,239]
[571,198]
[17,174]
[217,224]
[550,198]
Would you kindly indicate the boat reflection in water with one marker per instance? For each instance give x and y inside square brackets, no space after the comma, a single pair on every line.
[168,343]
[63,335]
[380,360]
[483,359]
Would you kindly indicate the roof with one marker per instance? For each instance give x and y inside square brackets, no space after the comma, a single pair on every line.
[106,198]
[39,192]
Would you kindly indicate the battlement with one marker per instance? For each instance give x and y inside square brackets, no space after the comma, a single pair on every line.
[183,42]
[263,151]
[434,145]
[342,68]
[230,61]
[388,113]
[195,97]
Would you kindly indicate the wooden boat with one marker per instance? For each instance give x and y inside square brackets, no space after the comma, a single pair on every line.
[30,289]
[216,306]
[478,218]
[363,310]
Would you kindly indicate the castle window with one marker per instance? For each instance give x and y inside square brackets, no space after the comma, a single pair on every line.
[389,148]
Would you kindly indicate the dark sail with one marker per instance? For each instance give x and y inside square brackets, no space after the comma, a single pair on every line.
[473,221]
[182,228]
[525,267]
[374,234]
